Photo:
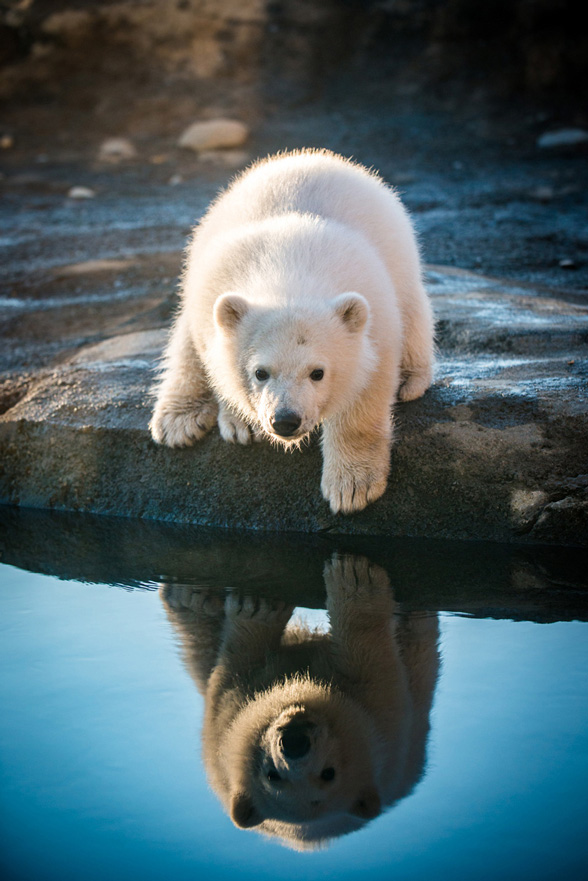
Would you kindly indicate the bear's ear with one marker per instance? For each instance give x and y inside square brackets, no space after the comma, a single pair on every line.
[353,310]
[229,310]
[368,805]
[244,814]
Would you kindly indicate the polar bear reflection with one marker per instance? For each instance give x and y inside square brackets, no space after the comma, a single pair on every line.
[309,735]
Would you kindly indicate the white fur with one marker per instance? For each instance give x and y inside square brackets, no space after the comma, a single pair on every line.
[307,262]
[364,690]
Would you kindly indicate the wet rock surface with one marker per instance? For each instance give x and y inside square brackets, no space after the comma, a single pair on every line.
[497,449]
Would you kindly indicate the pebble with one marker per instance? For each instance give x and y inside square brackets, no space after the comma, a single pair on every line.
[214,134]
[175,179]
[564,137]
[543,193]
[403,177]
[228,158]
[81,193]
[567,263]
[115,149]
[6,142]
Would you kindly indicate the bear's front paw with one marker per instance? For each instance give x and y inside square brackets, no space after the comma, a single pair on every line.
[232,428]
[178,423]
[351,488]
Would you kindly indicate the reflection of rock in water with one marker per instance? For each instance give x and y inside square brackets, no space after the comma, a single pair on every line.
[308,735]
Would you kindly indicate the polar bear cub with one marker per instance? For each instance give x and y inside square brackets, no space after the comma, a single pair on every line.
[302,305]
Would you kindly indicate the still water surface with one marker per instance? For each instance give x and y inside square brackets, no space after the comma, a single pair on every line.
[101,771]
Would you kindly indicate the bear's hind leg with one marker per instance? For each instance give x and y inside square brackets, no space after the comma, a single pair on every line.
[415,383]
[186,408]
[418,347]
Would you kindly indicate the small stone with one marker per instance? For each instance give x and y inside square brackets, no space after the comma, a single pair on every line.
[461,413]
[565,137]
[214,134]
[88,267]
[403,177]
[567,263]
[115,149]
[526,504]
[175,179]
[6,142]
[209,155]
[81,193]
[543,193]
[228,158]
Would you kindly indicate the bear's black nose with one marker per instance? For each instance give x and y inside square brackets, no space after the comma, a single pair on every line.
[285,422]
[295,741]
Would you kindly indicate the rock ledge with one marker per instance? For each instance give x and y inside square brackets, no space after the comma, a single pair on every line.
[496,450]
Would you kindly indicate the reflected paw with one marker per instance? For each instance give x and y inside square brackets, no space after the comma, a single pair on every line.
[255,608]
[355,574]
[183,598]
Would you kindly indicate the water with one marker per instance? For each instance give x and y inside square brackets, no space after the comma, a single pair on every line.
[101,718]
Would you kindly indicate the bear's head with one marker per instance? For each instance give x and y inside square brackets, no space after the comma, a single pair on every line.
[306,767]
[296,366]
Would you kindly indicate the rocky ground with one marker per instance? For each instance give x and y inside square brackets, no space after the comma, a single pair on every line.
[91,251]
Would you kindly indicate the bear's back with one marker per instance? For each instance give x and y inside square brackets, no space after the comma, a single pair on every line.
[307,182]
[313,182]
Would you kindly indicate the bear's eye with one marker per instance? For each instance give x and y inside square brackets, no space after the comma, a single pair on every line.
[261,375]
[317,375]
[273,776]
[328,774]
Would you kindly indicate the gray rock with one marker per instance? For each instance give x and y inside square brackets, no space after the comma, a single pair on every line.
[565,137]
[228,158]
[116,149]
[81,193]
[497,449]
[214,134]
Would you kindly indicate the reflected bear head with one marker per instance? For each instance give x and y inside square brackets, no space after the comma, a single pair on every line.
[304,754]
